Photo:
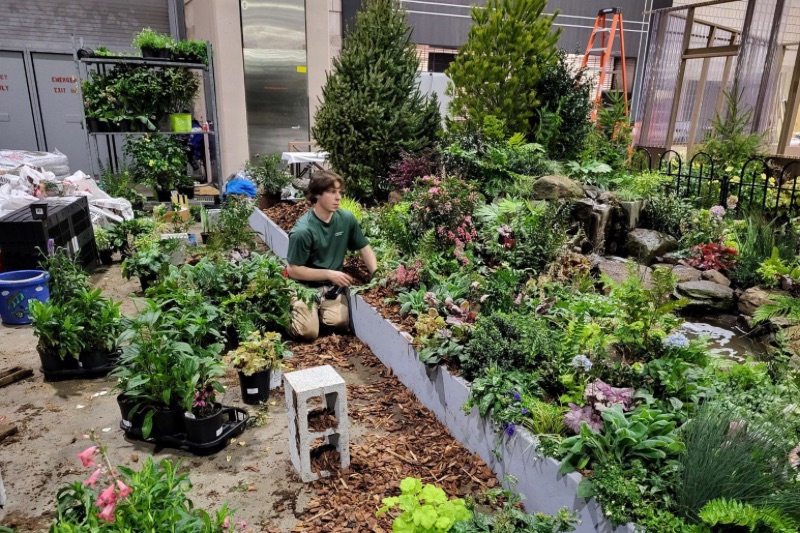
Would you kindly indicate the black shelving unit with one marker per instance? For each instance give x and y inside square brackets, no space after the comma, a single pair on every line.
[99,142]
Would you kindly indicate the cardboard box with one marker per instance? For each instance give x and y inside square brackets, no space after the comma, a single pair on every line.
[182,215]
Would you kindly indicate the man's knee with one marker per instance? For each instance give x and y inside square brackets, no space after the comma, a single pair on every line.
[305,322]
[336,314]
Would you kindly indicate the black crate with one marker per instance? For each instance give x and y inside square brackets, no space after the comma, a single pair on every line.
[68,223]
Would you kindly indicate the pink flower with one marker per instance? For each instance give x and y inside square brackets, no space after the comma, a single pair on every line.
[124,490]
[92,480]
[86,456]
[107,513]
[241,523]
[794,457]
[433,190]
[226,522]
[107,497]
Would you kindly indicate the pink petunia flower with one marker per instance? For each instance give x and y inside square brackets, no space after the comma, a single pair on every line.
[124,490]
[226,522]
[92,480]
[241,523]
[107,513]
[87,456]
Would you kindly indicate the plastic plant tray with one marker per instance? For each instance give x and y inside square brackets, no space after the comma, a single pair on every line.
[234,425]
[80,373]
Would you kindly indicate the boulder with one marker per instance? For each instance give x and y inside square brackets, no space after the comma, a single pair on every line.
[556,187]
[617,268]
[684,272]
[716,277]
[646,244]
[706,295]
[755,297]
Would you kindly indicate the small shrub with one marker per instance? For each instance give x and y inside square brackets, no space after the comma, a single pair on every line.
[712,256]
[444,205]
[412,166]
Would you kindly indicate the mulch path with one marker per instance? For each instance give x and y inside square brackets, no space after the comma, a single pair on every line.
[285,214]
[408,441]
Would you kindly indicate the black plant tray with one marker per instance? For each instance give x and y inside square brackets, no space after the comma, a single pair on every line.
[233,426]
[80,373]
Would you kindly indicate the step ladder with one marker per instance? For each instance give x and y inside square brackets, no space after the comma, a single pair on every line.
[604,50]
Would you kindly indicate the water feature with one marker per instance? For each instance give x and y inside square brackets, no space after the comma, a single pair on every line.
[725,338]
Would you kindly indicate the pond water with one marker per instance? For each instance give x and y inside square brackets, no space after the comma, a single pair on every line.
[725,337]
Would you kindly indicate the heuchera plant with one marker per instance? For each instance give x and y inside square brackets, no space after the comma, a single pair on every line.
[444,205]
[426,509]
[712,256]
[599,396]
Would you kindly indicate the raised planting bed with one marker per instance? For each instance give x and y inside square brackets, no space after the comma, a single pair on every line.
[444,394]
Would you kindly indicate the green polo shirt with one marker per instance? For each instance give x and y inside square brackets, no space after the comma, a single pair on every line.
[316,244]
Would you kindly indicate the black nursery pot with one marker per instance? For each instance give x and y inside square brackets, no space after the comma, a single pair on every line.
[147,281]
[126,405]
[94,359]
[187,191]
[52,362]
[106,256]
[163,195]
[204,430]
[93,124]
[149,52]
[168,422]
[255,388]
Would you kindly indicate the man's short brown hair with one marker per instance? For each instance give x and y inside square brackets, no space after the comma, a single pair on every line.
[322,182]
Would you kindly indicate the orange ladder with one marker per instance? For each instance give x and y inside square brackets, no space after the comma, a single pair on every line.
[606,46]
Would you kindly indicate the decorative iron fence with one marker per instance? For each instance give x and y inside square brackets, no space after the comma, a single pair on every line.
[764,184]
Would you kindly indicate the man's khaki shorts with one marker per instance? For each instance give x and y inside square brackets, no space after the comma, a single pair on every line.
[334,313]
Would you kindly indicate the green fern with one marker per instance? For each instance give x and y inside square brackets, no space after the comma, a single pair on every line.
[784,306]
[724,512]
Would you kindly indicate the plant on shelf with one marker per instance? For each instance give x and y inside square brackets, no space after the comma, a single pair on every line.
[193,51]
[158,161]
[151,43]
[270,174]
[179,88]
[260,352]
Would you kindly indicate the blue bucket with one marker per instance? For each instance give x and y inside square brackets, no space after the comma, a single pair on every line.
[16,289]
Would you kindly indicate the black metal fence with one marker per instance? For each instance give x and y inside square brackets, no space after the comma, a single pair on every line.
[767,184]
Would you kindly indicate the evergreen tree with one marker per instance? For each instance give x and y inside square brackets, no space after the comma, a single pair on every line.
[497,70]
[372,108]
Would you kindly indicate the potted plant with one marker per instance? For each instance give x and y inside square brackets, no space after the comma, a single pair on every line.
[101,322]
[104,246]
[159,161]
[204,220]
[153,44]
[149,261]
[155,375]
[255,358]
[179,88]
[271,176]
[60,335]
[204,416]
[191,51]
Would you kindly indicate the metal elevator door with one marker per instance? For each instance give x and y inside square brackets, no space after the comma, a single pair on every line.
[16,113]
[62,116]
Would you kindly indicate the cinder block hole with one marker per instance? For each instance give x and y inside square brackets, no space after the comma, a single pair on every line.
[330,400]
[324,455]
[321,419]
[314,403]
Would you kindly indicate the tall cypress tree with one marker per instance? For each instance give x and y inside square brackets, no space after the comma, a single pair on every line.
[372,108]
[496,71]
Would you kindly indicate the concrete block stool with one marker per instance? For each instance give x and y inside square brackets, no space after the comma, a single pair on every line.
[2,492]
[320,382]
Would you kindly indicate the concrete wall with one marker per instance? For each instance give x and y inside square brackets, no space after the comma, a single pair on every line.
[218,22]
[323,42]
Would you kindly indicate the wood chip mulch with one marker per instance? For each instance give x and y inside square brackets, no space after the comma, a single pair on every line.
[321,419]
[407,440]
[285,214]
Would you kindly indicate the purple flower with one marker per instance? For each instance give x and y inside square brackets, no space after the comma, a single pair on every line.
[581,362]
[51,246]
[717,211]
[676,340]
[524,411]
[509,428]
[517,397]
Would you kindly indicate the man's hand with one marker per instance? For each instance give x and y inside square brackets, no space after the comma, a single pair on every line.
[340,279]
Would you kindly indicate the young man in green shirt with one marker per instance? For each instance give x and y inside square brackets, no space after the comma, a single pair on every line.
[318,243]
